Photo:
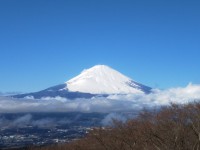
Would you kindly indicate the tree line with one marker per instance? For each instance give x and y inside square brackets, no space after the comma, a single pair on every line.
[174,127]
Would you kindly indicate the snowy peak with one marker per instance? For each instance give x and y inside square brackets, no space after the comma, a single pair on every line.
[99,80]
[102,79]
[99,74]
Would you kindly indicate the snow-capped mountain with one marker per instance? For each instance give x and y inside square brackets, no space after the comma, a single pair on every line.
[102,79]
[99,80]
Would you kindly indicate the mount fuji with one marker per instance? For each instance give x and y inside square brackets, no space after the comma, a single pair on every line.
[100,80]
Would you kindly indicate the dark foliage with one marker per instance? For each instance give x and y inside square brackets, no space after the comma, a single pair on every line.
[176,127]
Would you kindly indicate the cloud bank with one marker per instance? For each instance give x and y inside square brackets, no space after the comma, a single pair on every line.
[113,103]
[24,120]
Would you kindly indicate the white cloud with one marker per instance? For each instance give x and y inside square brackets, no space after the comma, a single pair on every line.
[108,120]
[112,103]
[58,98]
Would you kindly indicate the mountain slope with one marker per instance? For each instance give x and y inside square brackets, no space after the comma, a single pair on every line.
[99,80]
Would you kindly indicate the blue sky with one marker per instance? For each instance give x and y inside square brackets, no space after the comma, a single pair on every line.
[47,42]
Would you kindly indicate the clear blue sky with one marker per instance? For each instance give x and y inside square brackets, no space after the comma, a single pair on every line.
[46,42]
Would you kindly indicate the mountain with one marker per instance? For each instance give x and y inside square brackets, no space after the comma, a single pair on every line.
[99,80]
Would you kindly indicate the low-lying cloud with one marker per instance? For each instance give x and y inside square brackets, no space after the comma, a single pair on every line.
[108,120]
[113,103]
[28,120]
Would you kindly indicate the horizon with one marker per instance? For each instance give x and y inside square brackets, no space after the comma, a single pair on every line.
[45,43]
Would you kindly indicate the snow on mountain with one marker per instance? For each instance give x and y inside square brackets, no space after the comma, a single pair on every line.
[102,79]
[99,80]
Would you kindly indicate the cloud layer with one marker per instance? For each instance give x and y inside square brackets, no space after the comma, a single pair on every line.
[24,120]
[113,103]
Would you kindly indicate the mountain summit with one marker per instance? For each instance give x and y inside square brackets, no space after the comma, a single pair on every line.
[102,79]
[98,80]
